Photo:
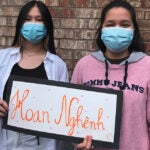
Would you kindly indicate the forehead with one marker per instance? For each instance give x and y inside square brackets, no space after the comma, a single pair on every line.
[117,14]
[34,11]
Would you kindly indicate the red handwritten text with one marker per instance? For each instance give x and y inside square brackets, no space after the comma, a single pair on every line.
[76,121]
[27,114]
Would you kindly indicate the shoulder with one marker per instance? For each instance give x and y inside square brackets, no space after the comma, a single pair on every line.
[5,51]
[55,59]
[143,62]
[85,59]
[5,54]
[9,50]
[146,60]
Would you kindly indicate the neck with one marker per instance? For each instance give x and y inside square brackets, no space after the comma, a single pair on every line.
[28,46]
[33,50]
[112,55]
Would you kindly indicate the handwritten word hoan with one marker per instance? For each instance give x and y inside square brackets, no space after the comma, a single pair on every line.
[64,115]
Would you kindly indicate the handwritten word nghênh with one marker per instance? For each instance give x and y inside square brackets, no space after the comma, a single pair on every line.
[77,121]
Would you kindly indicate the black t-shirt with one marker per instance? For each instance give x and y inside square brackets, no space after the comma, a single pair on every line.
[38,72]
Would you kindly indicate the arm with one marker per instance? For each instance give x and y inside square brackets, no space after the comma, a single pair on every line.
[63,73]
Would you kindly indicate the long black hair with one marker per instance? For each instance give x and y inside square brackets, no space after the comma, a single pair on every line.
[47,19]
[137,42]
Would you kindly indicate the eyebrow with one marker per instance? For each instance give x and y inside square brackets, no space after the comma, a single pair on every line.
[124,21]
[35,16]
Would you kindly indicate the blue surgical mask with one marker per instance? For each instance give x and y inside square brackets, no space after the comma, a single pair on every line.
[117,39]
[33,32]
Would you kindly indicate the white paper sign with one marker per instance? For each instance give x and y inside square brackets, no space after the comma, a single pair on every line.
[63,110]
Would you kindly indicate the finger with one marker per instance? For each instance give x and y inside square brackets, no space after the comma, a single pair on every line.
[82,145]
[4,105]
[85,142]
[2,109]
[2,114]
[89,142]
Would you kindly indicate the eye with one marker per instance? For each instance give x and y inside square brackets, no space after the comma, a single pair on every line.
[125,24]
[39,19]
[28,19]
[109,25]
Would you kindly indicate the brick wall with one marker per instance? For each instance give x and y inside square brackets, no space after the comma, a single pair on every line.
[75,23]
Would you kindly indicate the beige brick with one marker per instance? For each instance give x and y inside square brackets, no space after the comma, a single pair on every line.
[93,3]
[56,23]
[135,3]
[78,54]
[88,13]
[102,3]
[2,41]
[65,54]
[81,3]
[3,21]
[140,14]
[2,30]
[94,23]
[84,34]
[7,31]
[145,3]
[144,25]
[53,3]
[9,41]
[11,21]
[56,41]
[92,46]
[64,33]
[15,2]
[3,3]
[74,23]
[9,11]
[73,44]
[147,15]
[146,36]
[63,12]
[68,3]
